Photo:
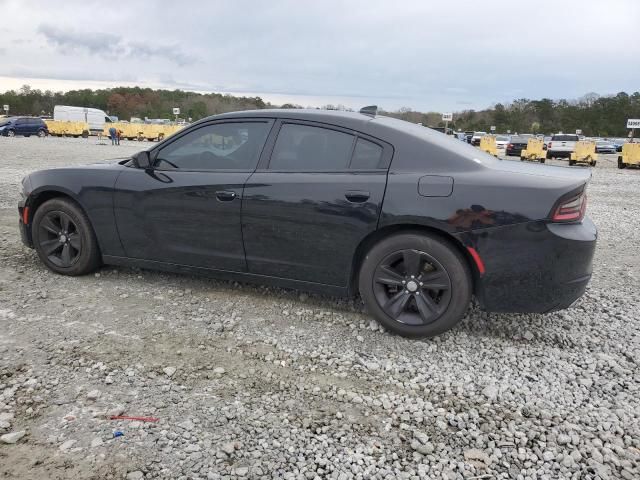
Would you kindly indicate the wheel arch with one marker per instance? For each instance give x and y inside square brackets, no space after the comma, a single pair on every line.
[40,196]
[380,234]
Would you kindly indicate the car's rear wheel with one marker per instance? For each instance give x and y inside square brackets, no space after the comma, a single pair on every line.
[572,162]
[621,164]
[42,133]
[542,160]
[416,285]
[64,238]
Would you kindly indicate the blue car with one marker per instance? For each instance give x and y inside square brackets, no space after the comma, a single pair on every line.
[25,126]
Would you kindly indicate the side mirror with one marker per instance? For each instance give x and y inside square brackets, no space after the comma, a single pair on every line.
[142,160]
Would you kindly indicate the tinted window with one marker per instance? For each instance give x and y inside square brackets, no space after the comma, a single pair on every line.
[366,156]
[234,146]
[305,148]
[564,138]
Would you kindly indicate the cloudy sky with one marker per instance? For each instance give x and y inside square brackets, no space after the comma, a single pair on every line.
[422,54]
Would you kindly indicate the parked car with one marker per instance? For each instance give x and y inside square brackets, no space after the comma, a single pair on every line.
[468,136]
[502,141]
[516,145]
[23,126]
[335,202]
[562,146]
[477,136]
[605,146]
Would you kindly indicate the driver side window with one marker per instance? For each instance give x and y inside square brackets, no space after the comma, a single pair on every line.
[223,146]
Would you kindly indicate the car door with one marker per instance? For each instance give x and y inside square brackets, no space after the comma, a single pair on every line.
[310,203]
[21,126]
[33,125]
[186,209]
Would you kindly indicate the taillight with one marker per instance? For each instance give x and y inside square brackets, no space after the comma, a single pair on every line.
[510,145]
[570,210]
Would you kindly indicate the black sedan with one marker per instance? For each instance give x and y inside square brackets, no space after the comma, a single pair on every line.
[339,203]
[515,146]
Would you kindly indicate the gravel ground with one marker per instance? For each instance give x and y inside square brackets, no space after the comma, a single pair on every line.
[256,382]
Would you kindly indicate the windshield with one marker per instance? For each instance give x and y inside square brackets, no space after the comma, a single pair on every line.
[5,121]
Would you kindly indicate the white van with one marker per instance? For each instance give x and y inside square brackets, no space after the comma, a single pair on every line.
[95,117]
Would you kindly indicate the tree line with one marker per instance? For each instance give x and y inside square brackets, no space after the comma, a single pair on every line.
[592,113]
[127,102]
[595,115]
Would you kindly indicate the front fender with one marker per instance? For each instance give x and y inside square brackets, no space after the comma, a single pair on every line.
[91,188]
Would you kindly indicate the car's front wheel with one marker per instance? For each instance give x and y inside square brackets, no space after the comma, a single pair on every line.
[11,133]
[64,238]
[416,285]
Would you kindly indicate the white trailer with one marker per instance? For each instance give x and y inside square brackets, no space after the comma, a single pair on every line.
[95,117]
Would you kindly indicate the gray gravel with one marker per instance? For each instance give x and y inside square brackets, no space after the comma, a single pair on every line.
[256,382]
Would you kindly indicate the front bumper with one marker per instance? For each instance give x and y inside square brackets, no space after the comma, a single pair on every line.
[535,267]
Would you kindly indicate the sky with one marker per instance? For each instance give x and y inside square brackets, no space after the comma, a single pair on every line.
[425,55]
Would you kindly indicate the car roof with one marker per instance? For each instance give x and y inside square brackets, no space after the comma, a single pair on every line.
[353,120]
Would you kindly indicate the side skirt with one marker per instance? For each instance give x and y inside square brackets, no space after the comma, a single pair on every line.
[332,290]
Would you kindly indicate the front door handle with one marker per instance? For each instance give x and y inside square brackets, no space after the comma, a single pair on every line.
[225,195]
[357,196]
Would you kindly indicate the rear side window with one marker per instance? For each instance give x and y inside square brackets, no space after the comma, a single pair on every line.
[308,148]
[564,138]
[366,156]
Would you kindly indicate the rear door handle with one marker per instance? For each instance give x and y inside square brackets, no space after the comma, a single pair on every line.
[225,195]
[357,196]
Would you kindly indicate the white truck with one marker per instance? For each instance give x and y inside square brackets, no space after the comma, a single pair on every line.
[562,145]
[95,117]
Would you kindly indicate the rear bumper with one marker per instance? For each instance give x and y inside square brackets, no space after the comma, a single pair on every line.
[535,267]
[559,153]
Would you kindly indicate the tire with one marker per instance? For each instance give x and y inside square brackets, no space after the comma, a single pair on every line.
[78,239]
[572,163]
[542,160]
[383,272]
[27,135]
[593,163]
[522,159]
[11,133]
[621,164]
[42,133]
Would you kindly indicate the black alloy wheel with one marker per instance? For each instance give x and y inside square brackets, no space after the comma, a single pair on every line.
[59,239]
[64,238]
[412,287]
[416,284]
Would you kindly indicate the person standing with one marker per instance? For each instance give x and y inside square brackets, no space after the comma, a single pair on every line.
[113,134]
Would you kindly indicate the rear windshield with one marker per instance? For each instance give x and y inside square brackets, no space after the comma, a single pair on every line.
[502,139]
[564,138]
[519,139]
